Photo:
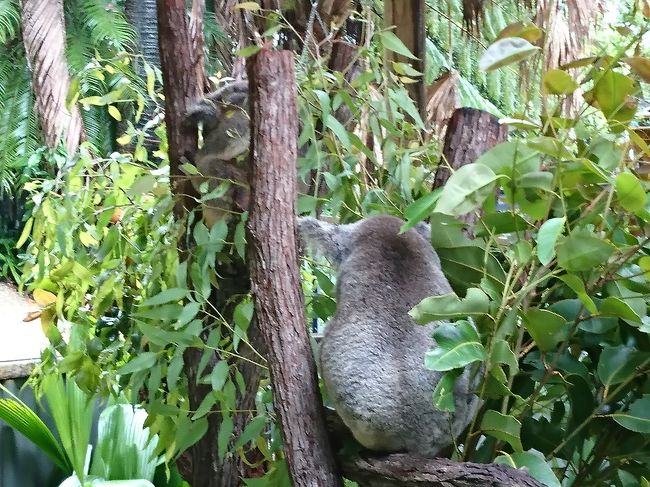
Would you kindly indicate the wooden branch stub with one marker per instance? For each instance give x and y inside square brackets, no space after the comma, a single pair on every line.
[470,134]
[402,470]
[274,270]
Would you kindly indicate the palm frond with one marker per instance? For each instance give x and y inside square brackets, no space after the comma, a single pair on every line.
[17,119]
[9,20]
[106,23]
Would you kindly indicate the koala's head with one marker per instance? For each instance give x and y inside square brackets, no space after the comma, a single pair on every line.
[335,242]
[222,109]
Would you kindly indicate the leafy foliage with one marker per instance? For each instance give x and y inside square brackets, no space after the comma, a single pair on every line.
[555,281]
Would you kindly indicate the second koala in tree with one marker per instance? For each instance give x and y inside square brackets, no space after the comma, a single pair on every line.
[224,115]
[372,353]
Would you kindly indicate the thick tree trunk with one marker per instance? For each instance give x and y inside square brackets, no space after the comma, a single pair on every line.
[470,134]
[274,268]
[408,17]
[43,27]
[180,64]
[402,470]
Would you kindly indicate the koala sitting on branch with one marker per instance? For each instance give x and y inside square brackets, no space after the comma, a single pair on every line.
[372,352]
[224,116]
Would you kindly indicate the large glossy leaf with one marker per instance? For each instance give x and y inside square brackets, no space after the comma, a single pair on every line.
[458,345]
[637,417]
[466,190]
[547,238]
[546,328]
[467,267]
[613,94]
[618,364]
[450,306]
[503,427]
[443,394]
[124,448]
[631,195]
[583,251]
[535,465]
[20,417]
[558,82]
[506,51]
[72,412]
[525,29]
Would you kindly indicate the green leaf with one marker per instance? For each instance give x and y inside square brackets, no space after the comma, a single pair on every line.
[225,432]
[631,195]
[447,232]
[637,417]
[503,427]
[72,412]
[578,287]
[613,93]
[166,296]
[466,190]
[420,209]
[142,361]
[393,43]
[534,464]
[558,82]
[189,432]
[458,345]
[20,417]
[618,364]
[124,448]
[248,51]
[546,328]
[583,251]
[339,130]
[219,375]
[443,394]
[253,429]
[501,353]
[612,305]
[506,51]
[449,306]
[525,29]
[467,267]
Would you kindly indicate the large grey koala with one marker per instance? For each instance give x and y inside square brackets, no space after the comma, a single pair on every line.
[372,352]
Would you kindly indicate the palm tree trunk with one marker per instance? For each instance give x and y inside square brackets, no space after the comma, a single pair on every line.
[43,27]
[141,14]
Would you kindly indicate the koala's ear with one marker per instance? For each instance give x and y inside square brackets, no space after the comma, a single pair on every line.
[325,239]
[424,229]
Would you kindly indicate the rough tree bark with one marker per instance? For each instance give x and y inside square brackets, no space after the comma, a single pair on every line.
[43,27]
[408,17]
[402,470]
[470,134]
[179,64]
[274,269]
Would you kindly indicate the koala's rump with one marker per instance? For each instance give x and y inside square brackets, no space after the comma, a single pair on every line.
[382,394]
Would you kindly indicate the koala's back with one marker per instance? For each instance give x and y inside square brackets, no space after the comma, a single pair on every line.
[372,354]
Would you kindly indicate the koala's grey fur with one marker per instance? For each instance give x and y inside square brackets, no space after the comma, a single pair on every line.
[372,352]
